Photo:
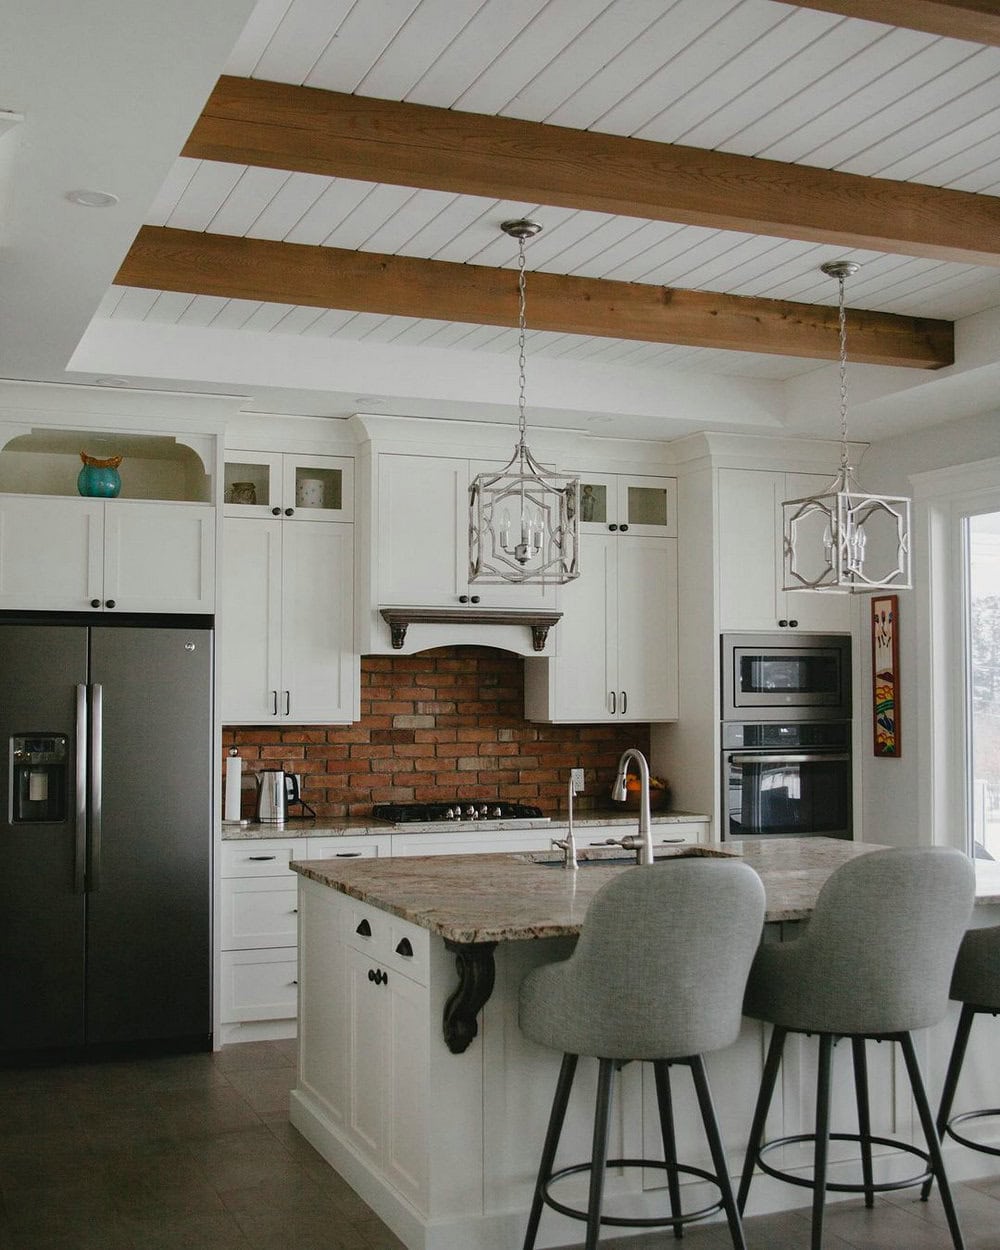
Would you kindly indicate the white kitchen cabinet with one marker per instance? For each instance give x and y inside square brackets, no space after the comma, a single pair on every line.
[632,504]
[423,538]
[110,555]
[259,929]
[287,631]
[296,487]
[616,644]
[751,557]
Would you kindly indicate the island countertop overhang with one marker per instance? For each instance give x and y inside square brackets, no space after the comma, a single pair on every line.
[508,898]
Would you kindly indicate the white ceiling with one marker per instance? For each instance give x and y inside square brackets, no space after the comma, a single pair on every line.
[753,77]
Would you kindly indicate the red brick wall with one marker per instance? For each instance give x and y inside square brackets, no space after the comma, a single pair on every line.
[435,726]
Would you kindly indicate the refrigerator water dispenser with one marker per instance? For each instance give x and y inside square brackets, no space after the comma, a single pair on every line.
[39,766]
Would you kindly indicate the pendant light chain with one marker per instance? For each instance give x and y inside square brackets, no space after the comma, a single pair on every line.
[522,322]
[843,373]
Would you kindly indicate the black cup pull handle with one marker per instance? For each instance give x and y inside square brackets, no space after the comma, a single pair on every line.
[261,858]
[404,948]
[364,929]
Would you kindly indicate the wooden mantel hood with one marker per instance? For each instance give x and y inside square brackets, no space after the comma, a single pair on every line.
[398,619]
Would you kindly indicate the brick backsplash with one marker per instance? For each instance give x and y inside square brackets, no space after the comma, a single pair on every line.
[434,726]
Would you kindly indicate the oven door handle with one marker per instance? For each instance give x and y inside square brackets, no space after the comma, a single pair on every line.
[827,757]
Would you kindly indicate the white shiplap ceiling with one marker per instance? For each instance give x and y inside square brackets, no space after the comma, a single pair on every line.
[750,77]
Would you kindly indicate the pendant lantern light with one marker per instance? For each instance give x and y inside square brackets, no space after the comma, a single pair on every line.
[843,539]
[523,519]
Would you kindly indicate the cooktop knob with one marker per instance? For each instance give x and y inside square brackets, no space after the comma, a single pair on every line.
[496,813]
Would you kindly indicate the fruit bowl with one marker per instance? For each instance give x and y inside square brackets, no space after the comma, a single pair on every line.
[658,799]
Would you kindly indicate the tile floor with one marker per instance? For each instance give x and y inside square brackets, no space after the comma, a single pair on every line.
[196,1152]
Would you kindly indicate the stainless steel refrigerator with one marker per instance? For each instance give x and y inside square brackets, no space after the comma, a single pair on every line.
[106,811]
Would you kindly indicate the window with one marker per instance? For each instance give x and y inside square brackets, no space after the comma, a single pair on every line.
[983,660]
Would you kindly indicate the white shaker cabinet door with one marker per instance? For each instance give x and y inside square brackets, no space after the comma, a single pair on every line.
[250,625]
[647,628]
[51,552]
[420,558]
[320,671]
[159,557]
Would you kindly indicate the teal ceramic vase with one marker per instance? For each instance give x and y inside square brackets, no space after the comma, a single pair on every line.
[99,478]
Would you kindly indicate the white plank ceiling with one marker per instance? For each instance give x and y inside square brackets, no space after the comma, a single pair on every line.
[745,76]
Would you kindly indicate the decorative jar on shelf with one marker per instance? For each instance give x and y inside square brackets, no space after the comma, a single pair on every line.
[99,477]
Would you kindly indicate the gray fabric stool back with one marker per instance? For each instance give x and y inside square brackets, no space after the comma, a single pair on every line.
[875,961]
[975,983]
[658,974]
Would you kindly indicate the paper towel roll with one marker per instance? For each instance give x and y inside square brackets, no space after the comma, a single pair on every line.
[234,783]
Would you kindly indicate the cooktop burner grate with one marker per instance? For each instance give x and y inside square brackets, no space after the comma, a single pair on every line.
[442,813]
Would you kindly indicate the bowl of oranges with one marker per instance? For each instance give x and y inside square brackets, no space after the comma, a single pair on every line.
[659,793]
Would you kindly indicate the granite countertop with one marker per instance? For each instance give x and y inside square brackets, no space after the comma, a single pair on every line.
[503,898]
[353,826]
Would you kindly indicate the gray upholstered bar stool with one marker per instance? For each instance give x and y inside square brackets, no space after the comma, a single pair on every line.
[874,963]
[975,983]
[657,974]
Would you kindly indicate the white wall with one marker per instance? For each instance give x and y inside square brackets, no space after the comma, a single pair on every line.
[891,789]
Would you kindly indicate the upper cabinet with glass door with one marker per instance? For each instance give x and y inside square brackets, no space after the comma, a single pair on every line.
[626,504]
[303,488]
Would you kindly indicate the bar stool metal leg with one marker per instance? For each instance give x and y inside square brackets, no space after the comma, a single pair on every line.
[951,1078]
[930,1132]
[661,1071]
[599,1153]
[864,1116]
[711,1124]
[556,1118]
[768,1080]
[822,1137]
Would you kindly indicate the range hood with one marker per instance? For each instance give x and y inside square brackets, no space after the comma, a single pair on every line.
[539,622]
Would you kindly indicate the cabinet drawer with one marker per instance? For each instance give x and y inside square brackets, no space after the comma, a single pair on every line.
[259,913]
[663,835]
[263,858]
[259,985]
[347,848]
[388,940]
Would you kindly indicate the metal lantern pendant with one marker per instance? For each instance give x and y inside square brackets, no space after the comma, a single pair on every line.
[524,520]
[844,539]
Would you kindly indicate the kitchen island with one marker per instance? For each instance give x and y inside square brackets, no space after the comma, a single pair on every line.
[440,1131]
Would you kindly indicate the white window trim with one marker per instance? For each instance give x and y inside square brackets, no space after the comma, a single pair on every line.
[942,499]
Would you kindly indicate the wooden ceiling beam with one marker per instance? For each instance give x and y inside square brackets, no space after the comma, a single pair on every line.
[163,258]
[249,122]
[975,20]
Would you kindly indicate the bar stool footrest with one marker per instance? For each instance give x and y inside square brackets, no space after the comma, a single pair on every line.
[967,1141]
[622,1221]
[845,1187]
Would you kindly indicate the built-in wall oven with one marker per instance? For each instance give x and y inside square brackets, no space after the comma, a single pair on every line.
[786,735]
[786,779]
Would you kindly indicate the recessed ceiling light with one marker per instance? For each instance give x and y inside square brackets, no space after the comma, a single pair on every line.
[92,199]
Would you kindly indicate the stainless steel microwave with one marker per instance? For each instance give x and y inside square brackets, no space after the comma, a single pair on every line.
[786,677]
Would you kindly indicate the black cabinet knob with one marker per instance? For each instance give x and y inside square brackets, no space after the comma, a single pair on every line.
[109,603]
[793,624]
[289,512]
[623,528]
[475,598]
[95,603]
[783,624]
[275,512]
[463,598]
[371,974]
[612,527]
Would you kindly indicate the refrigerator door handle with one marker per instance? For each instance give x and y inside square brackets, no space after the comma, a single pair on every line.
[80,836]
[95,780]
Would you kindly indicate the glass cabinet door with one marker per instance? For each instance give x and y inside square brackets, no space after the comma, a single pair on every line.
[318,488]
[252,483]
[628,505]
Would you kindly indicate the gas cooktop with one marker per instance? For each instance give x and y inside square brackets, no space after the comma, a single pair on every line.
[477,810]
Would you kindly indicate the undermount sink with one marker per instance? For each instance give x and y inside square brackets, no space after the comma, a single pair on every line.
[615,857]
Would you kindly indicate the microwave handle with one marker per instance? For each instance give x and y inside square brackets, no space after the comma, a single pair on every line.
[831,757]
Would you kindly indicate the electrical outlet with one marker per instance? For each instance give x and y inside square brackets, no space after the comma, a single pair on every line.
[576,779]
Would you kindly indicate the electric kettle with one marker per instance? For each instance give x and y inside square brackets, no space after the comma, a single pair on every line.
[275,790]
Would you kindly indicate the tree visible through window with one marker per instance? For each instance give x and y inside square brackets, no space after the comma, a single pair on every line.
[984,679]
